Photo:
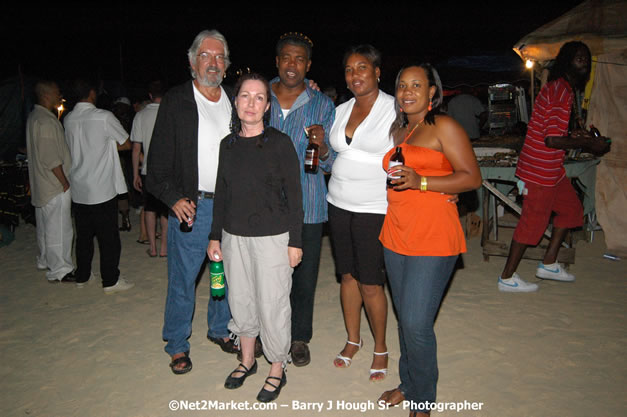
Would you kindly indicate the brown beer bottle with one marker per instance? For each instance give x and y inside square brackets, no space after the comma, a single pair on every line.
[186,224]
[396,159]
[311,158]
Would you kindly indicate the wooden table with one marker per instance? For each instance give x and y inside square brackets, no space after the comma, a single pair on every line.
[497,181]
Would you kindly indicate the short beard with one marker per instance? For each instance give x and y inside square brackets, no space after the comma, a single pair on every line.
[204,81]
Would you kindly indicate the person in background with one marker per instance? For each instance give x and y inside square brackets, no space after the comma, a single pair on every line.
[141,133]
[94,137]
[540,167]
[330,92]
[468,111]
[49,164]
[123,110]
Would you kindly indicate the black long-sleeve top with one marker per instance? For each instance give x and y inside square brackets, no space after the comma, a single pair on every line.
[258,191]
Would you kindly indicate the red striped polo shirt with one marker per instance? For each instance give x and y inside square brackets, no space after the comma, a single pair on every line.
[537,163]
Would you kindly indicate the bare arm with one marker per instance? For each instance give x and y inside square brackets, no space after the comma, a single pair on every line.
[58,172]
[137,181]
[456,147]
[126,146]
[580,139]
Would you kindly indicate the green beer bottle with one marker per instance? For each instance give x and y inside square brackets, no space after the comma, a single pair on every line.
[216,270]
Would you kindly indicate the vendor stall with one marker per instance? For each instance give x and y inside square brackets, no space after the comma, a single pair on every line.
[600,24]
[499,194]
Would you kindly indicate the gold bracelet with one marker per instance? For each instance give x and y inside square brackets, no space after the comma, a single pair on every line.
[423,184]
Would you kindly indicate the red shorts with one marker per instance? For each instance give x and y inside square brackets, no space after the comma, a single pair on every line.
[538,205]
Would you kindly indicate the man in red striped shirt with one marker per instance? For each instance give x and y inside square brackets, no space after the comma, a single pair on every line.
[541,168]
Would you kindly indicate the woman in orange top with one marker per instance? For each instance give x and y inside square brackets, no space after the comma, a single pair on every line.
[422,236]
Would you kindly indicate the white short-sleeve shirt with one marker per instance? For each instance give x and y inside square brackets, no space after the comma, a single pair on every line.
[143,125]
[92,135]
[213,125]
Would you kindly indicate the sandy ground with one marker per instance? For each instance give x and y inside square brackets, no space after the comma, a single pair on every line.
[76,352]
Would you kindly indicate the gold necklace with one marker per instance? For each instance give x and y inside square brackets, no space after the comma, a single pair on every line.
[412,131]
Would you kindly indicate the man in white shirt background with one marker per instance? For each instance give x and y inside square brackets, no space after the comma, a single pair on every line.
[94,137]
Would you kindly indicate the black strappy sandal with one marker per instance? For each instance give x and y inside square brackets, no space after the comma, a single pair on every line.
[185,361]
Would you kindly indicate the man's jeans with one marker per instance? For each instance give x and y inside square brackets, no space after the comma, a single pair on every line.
[304,280]
[186,254]
[417,284]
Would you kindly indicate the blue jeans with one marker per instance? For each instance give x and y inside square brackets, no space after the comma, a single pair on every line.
[304,280]
[417,284]
[186,254]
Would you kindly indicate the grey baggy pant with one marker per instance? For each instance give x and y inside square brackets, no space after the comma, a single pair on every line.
[259,277]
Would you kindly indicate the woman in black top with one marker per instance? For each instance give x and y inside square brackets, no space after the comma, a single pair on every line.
[257,223]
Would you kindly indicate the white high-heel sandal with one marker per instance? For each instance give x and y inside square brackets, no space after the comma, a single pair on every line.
[383,371]
[347,361]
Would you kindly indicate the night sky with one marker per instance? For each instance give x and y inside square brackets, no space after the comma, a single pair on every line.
[136,43]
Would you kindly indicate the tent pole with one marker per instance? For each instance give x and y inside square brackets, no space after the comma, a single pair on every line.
[531,93]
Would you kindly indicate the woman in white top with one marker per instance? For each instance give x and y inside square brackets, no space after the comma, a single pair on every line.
[357,203]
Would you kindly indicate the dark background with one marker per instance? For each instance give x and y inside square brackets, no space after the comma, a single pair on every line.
[135,43]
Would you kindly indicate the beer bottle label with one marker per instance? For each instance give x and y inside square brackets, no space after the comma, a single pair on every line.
[309,156]
[393,164]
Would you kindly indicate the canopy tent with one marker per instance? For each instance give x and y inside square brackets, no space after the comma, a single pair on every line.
[602,25]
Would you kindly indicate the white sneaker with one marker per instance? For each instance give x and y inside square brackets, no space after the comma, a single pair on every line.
[121,285]
[554,271]
[516,284]
[82,284]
